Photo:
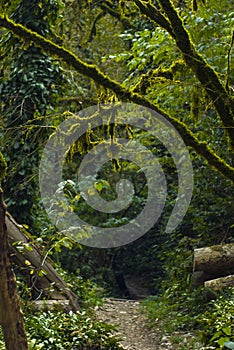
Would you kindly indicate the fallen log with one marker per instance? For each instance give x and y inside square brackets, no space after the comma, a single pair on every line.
[49,283]
[50,305]
[213,262]
[218,284]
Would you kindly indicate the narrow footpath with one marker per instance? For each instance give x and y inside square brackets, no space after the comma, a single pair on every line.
[132,325]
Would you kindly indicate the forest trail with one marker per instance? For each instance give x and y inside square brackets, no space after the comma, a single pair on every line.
[132,325]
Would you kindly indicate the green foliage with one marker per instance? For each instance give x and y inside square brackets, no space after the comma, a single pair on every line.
[217,322]
[77,331]
[175,309]
[153,52]
[176,313]
[29,90]
[39,15]
[152,66]
[148,50]
[89,293]
[214,199]
[3,167]
[178,310]
[58,330]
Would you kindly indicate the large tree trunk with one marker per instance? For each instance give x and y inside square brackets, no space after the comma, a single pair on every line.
[213,262]
[11,317]
[49,284]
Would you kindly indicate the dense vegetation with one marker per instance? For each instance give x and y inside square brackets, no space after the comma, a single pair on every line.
[175,57]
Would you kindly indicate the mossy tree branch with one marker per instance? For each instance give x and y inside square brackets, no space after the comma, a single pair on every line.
[155,15]
[173,23]
[107,7]
[124,94]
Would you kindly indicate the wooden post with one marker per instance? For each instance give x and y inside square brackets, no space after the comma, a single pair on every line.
[11,317]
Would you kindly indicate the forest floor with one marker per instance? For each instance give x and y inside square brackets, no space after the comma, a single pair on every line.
[133,330]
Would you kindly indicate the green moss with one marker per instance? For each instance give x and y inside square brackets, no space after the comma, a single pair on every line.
[195,61]
[153,76]
[3,167]
[217,92]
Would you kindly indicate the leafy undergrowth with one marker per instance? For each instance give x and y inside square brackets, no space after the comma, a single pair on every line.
[66,331]
[191,322]
[77,331]
[218,322]
[54,331]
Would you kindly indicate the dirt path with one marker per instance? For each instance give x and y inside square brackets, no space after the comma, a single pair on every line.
[132,323]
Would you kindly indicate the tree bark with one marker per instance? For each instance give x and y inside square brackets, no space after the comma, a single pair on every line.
[11,317]
[49,284]
[213,262]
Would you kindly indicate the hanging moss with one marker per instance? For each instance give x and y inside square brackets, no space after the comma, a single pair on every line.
[212,84]
[159,75]
[3,167]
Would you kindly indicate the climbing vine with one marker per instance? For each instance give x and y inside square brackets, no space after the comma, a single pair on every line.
[29,92]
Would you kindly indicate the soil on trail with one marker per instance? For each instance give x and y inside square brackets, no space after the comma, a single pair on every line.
[132,325]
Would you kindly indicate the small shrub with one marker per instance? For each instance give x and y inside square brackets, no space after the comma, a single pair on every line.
[89,293]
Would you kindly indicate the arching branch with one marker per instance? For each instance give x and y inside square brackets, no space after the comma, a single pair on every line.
[124,94]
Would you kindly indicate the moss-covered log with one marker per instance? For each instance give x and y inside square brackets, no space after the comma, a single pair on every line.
[218,285]
[213,262]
